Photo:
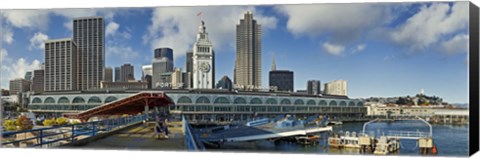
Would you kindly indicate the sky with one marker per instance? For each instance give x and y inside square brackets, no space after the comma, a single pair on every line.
[381,49]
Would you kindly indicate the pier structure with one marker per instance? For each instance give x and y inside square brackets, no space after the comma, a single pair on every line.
[387,143]
[390,142]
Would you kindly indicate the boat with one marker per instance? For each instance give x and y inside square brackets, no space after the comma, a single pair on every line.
[332,123]
[307,140]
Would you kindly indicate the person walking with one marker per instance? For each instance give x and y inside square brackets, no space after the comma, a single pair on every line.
[158,127]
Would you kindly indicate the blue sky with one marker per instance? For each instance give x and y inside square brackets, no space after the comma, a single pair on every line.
[381,49]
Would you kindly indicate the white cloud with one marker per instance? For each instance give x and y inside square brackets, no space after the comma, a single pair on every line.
[3,55]
[344,23]
[359,48]
[176,27]
[333,49]
[37,41]
[16,70]
[430,24]
[27,18]
[457,44]
[7,35]
[124,53]
[111,28]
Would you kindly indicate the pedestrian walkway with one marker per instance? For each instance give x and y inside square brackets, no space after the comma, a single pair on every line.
[142,138]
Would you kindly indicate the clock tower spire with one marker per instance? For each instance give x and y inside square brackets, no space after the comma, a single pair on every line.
[203,60]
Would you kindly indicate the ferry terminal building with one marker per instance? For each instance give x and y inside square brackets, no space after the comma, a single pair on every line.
[210,105]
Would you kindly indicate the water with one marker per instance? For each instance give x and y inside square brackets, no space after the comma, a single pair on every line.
[450,140]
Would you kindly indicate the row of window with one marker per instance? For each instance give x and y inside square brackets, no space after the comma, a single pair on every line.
[224,100]
[76,100]
[200,108]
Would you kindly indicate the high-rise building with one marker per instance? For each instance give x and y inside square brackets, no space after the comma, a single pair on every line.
[126,73]
[248,60]
[19,85]
[280,80]
[163,52]
[189,70]
[89,35]
[161,66]
[146,70]
[184,80]
[336,87]
[203,60]
[224,83]
[108,74]
[314,87]
[117,74]
[177,79]
[61,71]
[28,75]
[148,79]
[38,81]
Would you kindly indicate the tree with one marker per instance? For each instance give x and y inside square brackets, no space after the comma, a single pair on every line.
[61,121]
[49,122]
[10,125]
[24,123]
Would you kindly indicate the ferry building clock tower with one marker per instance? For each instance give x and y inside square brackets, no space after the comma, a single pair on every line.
[203,60]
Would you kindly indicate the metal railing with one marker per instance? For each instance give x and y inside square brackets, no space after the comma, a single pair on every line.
[406,134]
[57,135]
[191,141]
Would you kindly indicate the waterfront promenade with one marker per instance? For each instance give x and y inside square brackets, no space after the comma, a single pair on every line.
[141,137]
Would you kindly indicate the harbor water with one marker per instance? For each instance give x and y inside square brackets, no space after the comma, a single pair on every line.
[450,140]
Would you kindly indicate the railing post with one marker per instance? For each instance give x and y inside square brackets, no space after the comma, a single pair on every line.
[94,128]
[41,138]
[73,133]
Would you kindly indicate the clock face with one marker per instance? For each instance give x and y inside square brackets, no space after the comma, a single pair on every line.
[205,67]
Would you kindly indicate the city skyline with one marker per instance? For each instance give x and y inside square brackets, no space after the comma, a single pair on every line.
[322,53]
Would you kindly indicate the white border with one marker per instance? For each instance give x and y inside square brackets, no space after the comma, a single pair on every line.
[69,153]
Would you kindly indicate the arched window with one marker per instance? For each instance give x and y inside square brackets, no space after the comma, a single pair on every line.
[256,101]
[360,104]
[184,100]
[110,99]
[285,102]
[343,103]
[94,100]
[322,103]
[333,103]
[78,100]
[351,103]
[271,101]
[240,101]
[299,102]
[221,100]
[311,102]
[203,100]
[63,100]
[49,100]
[37,100]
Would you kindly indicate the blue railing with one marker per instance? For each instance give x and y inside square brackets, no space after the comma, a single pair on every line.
[191,141]
[47,137]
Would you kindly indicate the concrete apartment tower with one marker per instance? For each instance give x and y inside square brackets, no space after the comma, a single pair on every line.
[203,60]
[61,65]
[126,73]
[89,35]
[108,74]
[248,61]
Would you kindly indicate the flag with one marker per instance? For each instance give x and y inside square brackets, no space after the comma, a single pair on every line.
[199,13]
